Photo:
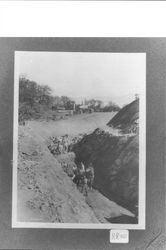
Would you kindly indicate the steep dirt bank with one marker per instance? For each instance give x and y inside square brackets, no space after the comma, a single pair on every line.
[45,192]
[115,160]
[103,208]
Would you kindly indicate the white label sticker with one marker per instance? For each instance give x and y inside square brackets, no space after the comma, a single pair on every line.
[119,236]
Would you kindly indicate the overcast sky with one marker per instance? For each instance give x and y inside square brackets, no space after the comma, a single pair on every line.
[92,75]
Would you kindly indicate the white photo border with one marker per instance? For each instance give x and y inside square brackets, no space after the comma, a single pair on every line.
[142,163]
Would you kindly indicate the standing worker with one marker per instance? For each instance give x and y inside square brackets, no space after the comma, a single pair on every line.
[90,175]
[82,168]
[85,186]
[81,176]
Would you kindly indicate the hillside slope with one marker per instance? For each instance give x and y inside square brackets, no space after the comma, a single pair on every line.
[45,192]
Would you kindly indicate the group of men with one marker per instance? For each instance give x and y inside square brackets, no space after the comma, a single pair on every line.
[83,178]
[63,144]
[60,145]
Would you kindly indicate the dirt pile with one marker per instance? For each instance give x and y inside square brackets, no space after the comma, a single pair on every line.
[45,192]
[127,118]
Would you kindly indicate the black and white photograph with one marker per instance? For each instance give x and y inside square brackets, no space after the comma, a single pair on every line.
[79,140]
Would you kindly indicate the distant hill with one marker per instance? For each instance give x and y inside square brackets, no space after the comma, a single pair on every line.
[127,118]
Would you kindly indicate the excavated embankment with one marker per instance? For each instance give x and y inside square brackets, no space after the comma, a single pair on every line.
[115,160]
[104,208]
[46,192]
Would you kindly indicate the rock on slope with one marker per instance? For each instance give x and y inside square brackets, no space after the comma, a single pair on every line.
[45,192]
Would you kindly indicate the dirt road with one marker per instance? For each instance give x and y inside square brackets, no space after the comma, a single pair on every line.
[84,123]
